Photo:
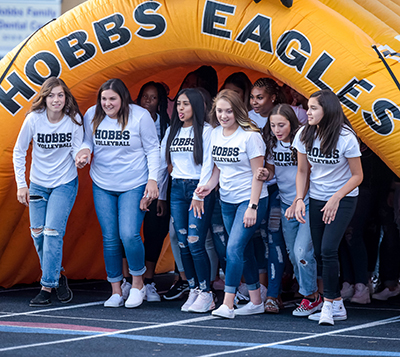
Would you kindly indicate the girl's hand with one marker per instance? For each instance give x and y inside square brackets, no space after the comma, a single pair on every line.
[203,191]
[144,204]
[23,196]
[198,208]
[161,208]
[300,211]
[291,212]
[82,158]
[151,190]
[262,174]
[330,209]
[250,217]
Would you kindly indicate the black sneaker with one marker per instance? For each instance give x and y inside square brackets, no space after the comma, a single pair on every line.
[176,290]
[64,293]
[41,299]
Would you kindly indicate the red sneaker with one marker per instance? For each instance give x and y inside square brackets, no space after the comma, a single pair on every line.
[307,307]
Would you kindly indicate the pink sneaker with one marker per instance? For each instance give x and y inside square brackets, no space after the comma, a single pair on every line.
[347,291]
[361,295]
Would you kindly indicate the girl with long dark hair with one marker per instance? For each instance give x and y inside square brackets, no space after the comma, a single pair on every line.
[153,97]
[329,159]
[281,160]
[186,146]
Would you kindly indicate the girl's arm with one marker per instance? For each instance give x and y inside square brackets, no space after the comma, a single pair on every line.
[302,183]
[250,216]
[291,211]
[76,147]
[163,174]
[266,173]
[83,156]
[203,191]
[355,180]
[19,160]
[206,171]
[151,147]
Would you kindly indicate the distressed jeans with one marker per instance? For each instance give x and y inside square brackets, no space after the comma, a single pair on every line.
[49,209]
[275,244]
[301,251]
[191,232]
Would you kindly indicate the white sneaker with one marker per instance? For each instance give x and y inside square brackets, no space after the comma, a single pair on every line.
[204,302]
[386,294]
[115,300]
[193,294]
[339,312]
[125,287]
[361,295]
[263,292]
[151,293]
[224,311]
[347,291]
[250,309]
[136,297]
[326,316]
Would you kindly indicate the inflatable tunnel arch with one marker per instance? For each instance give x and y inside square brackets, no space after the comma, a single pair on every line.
[310,46]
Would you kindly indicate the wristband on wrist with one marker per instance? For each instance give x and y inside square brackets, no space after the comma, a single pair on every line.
[297,199]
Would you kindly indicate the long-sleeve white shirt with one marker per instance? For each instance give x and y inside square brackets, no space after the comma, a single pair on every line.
[54,147]
[123,160]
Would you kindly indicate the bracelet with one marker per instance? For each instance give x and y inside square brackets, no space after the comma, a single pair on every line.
[300,198]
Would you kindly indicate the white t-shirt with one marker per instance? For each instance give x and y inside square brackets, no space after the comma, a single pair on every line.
[184,166]
[53,152]
[285,172]
[258,119]
[329,174]
[124,160]
[232,155]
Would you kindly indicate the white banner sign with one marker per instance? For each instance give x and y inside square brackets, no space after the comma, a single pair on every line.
[20,18]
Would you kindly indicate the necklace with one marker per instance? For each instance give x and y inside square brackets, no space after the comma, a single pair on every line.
[286,147]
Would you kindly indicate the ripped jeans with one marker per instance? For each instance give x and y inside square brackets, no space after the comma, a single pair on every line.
[49,209]
[191,232]
[301,251]
[275,244]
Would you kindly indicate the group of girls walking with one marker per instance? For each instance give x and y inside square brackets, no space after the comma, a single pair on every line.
[296,184]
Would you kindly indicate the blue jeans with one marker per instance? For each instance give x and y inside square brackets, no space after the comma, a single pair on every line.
[49,209]
[275,244]
[219,234]
[193,252]
[301,251]
[240,258]
[120,220]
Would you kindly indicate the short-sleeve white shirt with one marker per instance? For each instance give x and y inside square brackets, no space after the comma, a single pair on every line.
[285,172]
[330,173]
[232,155]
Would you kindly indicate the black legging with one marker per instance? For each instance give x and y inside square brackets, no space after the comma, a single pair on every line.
[326,240]
[353,253]
[155,230]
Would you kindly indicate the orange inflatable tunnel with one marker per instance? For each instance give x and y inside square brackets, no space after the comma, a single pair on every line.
[349,46]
